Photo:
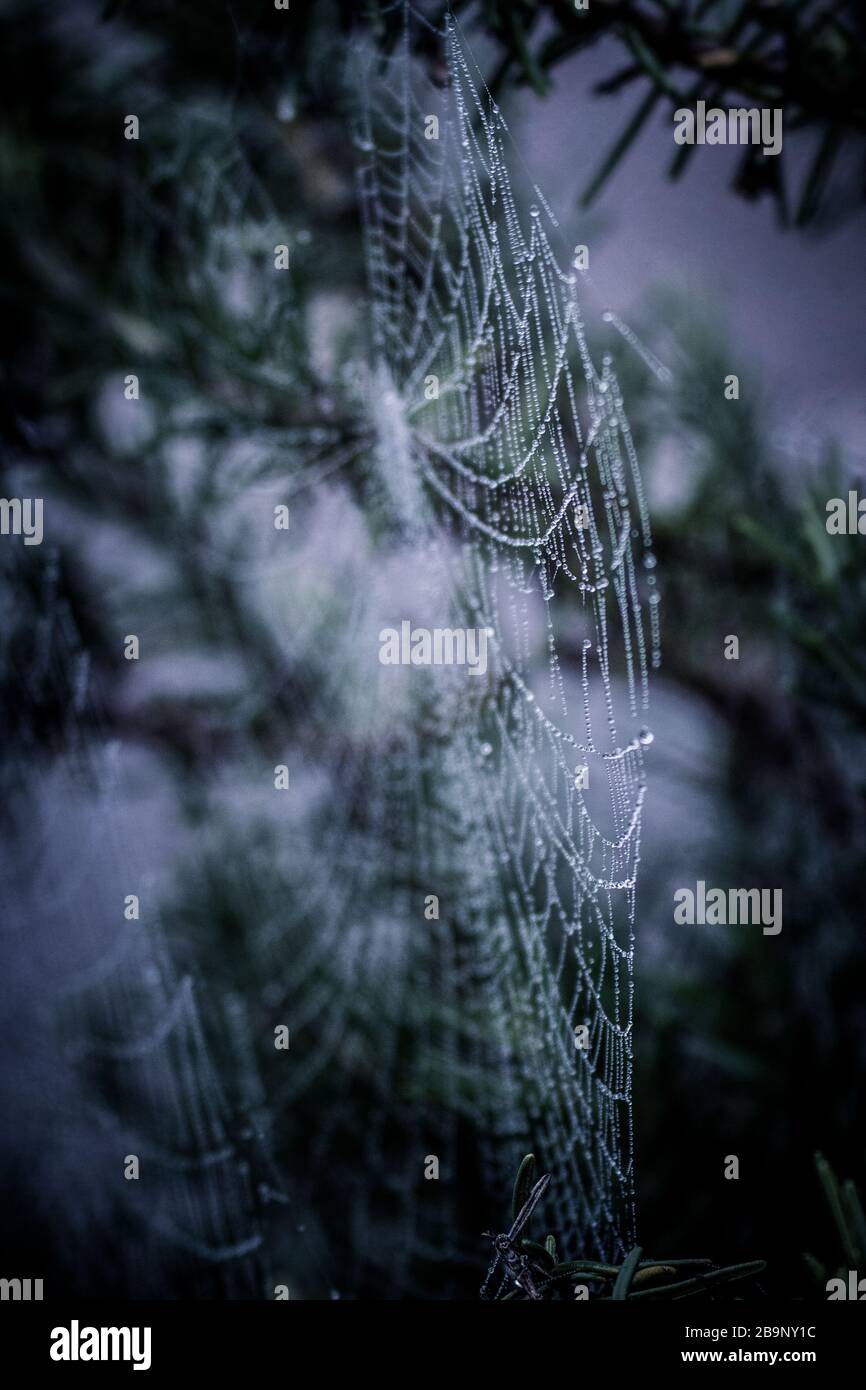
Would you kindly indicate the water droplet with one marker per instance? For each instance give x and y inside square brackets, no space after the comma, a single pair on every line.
[534,211]
[486,750]
[654,598]
[335,1294]
[649,561]
[607,316]
[645,736]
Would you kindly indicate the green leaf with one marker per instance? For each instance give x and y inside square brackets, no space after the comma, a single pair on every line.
[652,67]
[648,1272]
[816,1269]
[523,1185]
[626,1274]
[819,174]
[775,549]
[830,1185]
[686,1288]
[856,1222]
[539,1253]
[533,72]
[591,1268]
[609,163]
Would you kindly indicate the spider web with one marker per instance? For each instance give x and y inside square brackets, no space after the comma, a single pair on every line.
[498,488]
[136,1076]
[509,462]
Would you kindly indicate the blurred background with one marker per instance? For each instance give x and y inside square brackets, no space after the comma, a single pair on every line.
[154,778]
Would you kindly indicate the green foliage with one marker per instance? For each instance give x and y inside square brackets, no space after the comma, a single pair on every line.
[635,1277]
[756,1037]
[846,1210]
[808,58]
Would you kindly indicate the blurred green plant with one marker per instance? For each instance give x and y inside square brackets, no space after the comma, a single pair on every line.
[846,1209]
[807,58]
